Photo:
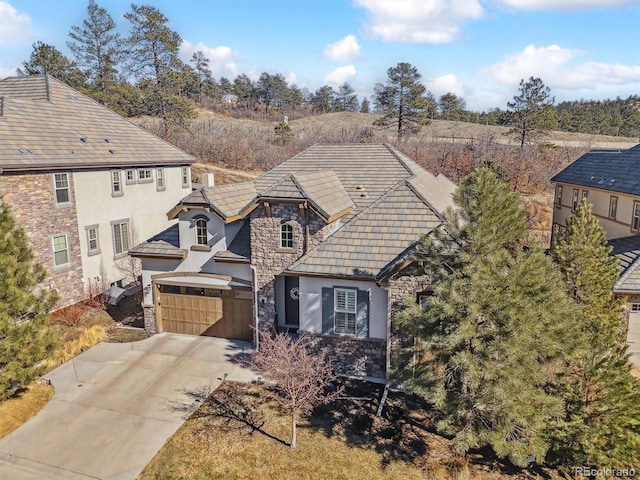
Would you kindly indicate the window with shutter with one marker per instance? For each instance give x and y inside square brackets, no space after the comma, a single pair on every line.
[345,311]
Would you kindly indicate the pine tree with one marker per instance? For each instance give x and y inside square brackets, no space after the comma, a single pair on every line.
[98,49]
[403,100]
[47,59]
[25,337]
[601,424]
[498,325]
[154,59]
[531,113]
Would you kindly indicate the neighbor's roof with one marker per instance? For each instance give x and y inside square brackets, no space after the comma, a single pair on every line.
[45,124]
[627,250]
[613,170]
[165,244]
[374,238]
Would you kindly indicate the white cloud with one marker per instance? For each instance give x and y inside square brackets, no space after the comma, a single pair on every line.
[340,75]
[569,4]
[445,84]
[555,66]
[419,21]
[345,50]
[221,59]
[13,25]
[291,78]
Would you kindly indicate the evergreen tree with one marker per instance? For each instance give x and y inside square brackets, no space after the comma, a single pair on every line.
[25,337]
[47,59]
[97,49]
[451,106]
[364,106]
[601,425]
[402,100]
[498,325]
[201,67]
[323,99]
[345,99]
[283,133]
[154,56]
[531,113]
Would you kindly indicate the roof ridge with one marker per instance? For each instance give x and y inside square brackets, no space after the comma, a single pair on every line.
[397,157]
[422,197]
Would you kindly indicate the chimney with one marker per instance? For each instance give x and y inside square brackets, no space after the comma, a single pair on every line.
[207,180]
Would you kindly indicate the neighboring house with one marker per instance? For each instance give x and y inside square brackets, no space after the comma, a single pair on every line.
[320,244]
[83,182]
[610,181]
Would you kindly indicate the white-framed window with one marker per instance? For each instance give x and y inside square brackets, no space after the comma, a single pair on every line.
[574,203]
[61,185]
[201,231]
[60,246]
[286,235]
[613,206]
[116,183]
[635,307]
[345,305]
[635,218]
[120,236]
[558,196]
[130,176]
[186,178]
[145,175]
[585,194]
[160,179]
[93,242]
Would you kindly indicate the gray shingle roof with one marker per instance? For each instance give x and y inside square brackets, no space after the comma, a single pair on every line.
[613,170]
[165,244]
[627,250]
[43,123]
[374,238]
[325,192]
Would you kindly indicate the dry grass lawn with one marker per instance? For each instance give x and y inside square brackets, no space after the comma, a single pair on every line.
[24,405]
[236,434]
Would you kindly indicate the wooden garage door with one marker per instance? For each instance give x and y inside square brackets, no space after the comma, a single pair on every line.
[189,314]
[228,317]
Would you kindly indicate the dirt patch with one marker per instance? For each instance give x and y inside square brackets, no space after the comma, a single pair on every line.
[125,335]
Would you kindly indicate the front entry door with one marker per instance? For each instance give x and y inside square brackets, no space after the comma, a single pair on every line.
[292,301]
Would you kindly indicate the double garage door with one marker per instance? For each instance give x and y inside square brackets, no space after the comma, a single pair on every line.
[213,313]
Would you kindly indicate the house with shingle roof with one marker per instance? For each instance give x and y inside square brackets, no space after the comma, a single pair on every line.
[84,182]
[610,181]
[319,245]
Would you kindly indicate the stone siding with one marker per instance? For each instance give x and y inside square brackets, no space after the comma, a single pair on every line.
[270,259]
[356,357]
[31,198]
[398,288]
[150,322]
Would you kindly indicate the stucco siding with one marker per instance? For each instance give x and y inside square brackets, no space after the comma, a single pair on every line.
[311,304]
[141,204]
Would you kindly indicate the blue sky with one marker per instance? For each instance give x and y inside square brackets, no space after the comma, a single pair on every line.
[478,49]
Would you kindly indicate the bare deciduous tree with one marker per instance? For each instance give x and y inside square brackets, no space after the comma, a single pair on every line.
[301,376]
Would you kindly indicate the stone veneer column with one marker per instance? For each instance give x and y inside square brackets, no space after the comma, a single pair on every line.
[270,259]
[150,322]
[31,198]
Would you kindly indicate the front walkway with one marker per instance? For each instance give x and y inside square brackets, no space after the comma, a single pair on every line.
[116,405]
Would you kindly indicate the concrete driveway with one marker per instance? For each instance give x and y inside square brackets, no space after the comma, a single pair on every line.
[116,404]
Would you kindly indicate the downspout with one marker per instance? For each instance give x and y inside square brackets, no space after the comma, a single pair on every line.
[255,304]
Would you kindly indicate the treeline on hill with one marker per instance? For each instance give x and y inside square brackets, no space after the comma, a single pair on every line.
[142,74]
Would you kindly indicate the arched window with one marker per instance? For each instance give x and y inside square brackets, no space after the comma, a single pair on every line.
[201,231]
[286,235]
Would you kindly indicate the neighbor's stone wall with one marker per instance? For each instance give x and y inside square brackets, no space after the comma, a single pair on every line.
[270,259]
[356,357]
[398,287]
[32,202]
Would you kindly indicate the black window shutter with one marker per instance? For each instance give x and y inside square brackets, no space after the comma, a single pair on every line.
[327,310]
[362,314]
